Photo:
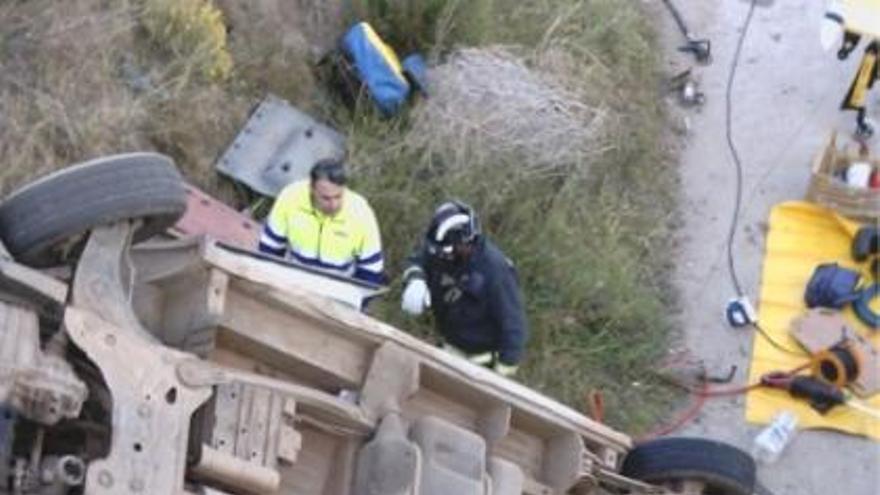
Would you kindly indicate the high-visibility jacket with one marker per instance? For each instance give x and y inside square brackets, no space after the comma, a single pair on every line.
[347,243]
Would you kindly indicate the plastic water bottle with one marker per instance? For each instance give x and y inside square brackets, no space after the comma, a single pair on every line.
[859,174]
[773,439]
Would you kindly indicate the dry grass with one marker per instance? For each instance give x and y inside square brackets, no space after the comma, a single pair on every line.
[59,102]
[489,105]
[83,78]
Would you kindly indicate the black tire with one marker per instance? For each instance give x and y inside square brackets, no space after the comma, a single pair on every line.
[40,216]
[725,469]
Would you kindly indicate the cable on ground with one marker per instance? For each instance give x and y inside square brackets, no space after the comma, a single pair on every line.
[728,117]
[734,221]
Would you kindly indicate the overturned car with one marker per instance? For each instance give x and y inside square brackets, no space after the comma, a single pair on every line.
[133,364]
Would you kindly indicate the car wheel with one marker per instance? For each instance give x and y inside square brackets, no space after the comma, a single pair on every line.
[692,466]
[41,218]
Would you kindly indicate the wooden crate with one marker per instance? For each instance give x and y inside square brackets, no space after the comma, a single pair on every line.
[828,188]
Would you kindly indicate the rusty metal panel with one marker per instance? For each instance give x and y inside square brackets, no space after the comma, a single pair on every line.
[206,215]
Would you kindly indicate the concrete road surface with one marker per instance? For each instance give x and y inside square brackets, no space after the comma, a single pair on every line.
[785,102]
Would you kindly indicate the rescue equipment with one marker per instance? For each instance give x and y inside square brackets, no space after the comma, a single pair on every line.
[840,365]
[831,286]
[866,243]
[821,395]
[375,65]
[740,312]
[862,306]
[454,222]
[701,48]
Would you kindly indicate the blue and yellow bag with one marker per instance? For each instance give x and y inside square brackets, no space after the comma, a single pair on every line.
[377,67]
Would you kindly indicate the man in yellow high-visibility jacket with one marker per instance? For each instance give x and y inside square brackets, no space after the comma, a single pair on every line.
[321,223]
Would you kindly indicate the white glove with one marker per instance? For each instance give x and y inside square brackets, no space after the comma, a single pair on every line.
[416,297]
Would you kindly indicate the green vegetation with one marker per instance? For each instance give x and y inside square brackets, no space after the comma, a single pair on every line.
[591,243]
[591,238]
[429,25]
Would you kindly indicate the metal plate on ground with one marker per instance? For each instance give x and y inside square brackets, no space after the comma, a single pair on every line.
[278,145]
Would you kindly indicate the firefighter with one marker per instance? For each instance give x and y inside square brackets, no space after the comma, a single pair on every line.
[321,223]
[472,289]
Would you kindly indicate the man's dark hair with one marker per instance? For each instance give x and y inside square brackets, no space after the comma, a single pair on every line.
[329,169]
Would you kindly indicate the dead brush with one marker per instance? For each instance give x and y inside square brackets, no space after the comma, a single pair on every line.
[78,81]
[490,105]
[60,100]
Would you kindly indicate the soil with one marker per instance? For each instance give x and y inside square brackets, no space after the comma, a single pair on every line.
[786,101]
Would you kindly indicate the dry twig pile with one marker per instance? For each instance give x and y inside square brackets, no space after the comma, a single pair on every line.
[487,105]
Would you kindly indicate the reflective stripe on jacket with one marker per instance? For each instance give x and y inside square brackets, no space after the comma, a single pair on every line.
[347,243]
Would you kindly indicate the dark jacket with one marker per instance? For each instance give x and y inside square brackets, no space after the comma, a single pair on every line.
[477,304]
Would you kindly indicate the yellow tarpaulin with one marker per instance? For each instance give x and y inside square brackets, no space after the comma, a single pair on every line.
[862,16]
[801,236]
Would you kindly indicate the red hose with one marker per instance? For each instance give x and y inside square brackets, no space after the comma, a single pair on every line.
[685,417]
[775,379]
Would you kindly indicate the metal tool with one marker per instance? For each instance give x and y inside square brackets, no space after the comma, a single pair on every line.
[821,395]
[839,365]
[700,48]
[687,88]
